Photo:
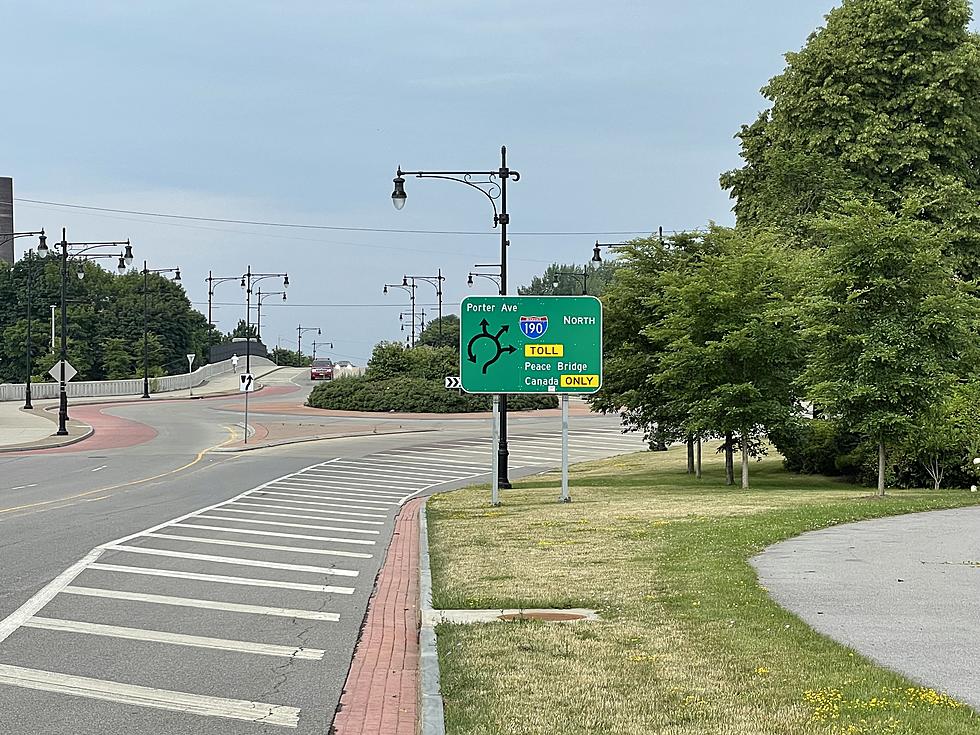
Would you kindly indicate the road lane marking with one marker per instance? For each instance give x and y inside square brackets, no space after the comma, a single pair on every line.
[234,560]
[236,607]
[339,495]
[277,534]
[198,458]
[99,469]
[361,472]
[360,484]
[222,579]
[160,636]
[343,487]
[285,524]
[269,547]
[262,496]
[112,691]
[423,458]
[24,487]
[239,504]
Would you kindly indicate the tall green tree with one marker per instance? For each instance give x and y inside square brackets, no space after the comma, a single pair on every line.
[732,351]
[883,101]
[890,325]
[441,333]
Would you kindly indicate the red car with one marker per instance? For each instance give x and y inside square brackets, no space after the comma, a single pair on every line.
[321,370]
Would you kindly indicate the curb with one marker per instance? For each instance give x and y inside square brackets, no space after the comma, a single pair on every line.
[35,446]
[304,439]
[432,719]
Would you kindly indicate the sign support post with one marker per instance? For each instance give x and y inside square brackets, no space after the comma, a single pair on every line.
[495,459]
[565,496]
[190,366]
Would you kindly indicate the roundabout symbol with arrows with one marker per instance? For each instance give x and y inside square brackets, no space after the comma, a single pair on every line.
[495,338]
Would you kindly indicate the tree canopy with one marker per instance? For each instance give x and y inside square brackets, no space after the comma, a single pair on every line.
[883,101]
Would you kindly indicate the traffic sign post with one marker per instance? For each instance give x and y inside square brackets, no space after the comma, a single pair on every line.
[531,345]
[190,365]
[246,385]
[495,457]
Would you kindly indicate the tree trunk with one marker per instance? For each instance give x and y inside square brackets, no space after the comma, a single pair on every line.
[690,455]
[881,468]
[697,458]
[729,460]
[745,459]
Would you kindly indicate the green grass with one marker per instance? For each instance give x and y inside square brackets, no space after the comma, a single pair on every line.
[689,642]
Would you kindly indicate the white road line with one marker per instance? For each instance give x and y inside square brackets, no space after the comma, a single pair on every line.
[99,469]
[234,560]
[423,466]
[340,486]
[160,636]
[23,487]
[338,495]
[236,607]
[437,458]
[269,547]
[241,504]
[277,534]
[341,483]
[111,691]
[261,495]
[349,483]
[423,457]
[285,524]
[369,471]
[222,579]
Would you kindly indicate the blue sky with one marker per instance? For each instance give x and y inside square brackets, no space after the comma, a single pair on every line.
[619,116]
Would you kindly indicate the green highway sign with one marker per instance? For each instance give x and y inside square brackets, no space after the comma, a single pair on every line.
[530,344]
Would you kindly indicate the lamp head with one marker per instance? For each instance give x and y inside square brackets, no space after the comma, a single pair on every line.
[405,281]
[469,281]
[42,245]
[398,196]
[283,295]
[285,281]
[386,289]
[122,265]
[318,331]
[81,271]
[177,275]
[128,254]
[596,256]
[243,281]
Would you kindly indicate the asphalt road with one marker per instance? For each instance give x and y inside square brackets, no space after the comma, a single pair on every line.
[226,591]
[903,591]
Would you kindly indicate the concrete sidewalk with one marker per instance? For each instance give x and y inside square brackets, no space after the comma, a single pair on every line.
[35,429]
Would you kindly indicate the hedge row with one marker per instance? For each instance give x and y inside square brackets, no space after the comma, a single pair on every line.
[410,395]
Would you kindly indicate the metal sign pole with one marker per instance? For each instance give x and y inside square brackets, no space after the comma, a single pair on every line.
[495,478]
[245,439]
[565,497]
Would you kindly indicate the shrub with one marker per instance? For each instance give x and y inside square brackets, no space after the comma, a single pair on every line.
[818,446]
[409,395]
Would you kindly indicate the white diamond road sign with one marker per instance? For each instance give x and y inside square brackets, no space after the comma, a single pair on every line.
[452,381]
[55,372]
[247,383]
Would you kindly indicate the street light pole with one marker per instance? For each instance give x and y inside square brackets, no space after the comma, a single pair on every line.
[493,188]
[258,308]
[146,349]
[29,257]
[212,282]
[435,281]
[410,289]
[65,251]
[299,336]
[249,279]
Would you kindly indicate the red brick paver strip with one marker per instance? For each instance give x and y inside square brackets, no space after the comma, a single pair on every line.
[381,693]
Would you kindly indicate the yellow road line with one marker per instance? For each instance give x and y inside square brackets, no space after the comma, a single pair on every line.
[200,455]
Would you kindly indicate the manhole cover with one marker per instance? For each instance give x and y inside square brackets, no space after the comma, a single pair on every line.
[552,617]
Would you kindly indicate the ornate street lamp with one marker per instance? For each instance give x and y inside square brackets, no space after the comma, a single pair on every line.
[410,288]
[146,350]
[299,336]
[77,251]
[29,257]
[493,185]
[249,279]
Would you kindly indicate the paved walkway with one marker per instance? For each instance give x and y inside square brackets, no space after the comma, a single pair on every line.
[381,693]
[904,591]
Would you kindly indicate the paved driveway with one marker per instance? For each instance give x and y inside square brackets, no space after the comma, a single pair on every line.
[904,591]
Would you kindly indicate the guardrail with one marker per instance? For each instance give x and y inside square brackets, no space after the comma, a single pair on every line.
[133,386]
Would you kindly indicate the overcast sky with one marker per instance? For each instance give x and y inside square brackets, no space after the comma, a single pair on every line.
[618,115]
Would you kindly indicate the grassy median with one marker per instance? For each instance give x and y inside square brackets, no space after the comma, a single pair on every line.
[689,643]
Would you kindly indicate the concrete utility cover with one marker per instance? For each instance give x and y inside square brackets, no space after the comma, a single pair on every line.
[904,591]
[55,372]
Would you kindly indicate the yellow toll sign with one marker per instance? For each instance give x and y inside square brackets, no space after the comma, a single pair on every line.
[534,350]
[579,381]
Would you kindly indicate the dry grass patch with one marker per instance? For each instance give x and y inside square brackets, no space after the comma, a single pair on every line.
[690,644]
